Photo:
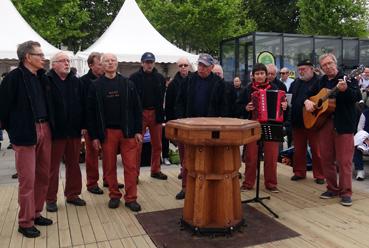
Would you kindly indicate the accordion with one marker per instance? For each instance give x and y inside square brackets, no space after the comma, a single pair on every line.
[267,105]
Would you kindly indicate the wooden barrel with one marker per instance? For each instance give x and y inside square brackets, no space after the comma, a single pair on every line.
[212,158]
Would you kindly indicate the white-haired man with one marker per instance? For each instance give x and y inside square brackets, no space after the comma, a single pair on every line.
[68,106]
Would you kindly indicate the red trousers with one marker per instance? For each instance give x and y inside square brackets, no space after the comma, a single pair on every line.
[337,150]
[301,137]
[270,164]
[155,129]
[115,141]
[92,163]
[33,167]
[69,148]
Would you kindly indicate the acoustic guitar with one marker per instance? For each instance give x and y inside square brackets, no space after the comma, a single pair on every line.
[324,104]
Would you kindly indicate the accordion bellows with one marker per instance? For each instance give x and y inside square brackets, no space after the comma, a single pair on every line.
[267,105]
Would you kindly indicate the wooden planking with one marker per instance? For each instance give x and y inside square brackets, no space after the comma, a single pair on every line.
[321,223]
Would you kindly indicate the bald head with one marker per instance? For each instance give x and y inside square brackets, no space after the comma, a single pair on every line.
[218,70]
[109,63]
[272,72]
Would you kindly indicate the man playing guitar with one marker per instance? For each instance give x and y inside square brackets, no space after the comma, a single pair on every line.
[336,135]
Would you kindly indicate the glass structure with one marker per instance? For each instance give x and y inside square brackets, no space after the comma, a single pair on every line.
[239,54]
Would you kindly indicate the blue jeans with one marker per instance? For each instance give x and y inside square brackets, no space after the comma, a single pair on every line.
[358,160]
[1,135]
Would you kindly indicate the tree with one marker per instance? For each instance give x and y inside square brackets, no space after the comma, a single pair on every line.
[102,14]
[334,17]
[273,15]
[196,25]
[58,22]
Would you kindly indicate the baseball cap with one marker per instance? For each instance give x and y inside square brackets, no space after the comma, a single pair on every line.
[206,59]
[147,56]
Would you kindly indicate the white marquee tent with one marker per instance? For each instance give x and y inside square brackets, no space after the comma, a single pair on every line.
[131,34]
[15,30]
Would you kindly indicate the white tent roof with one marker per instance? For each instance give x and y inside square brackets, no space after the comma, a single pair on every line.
[131,34]
[15,30]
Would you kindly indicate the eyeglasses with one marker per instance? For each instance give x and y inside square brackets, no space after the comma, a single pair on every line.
[62,61]
[41,55]
[283,72]
[183,65]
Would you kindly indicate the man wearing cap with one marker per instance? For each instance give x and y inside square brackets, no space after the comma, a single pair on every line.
[114,119]
[302,136]
[150,85]
[26,113]
[203,94]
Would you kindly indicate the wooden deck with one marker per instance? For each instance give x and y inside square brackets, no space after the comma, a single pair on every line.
[321,223]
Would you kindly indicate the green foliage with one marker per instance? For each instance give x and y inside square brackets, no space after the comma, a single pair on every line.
[102,14]
[333,17]
[273,15]
[196,25]
[57,21]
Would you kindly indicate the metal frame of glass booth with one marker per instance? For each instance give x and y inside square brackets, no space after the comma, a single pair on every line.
[239,54]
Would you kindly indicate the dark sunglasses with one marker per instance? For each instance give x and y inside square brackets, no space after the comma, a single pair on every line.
[183,65]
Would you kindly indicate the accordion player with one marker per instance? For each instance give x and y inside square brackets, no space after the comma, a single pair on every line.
[267,105]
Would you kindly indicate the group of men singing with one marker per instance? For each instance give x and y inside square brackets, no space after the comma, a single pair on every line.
[45,114]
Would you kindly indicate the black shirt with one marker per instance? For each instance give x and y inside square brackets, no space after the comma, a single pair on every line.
[36,94]
[148,101]
[201,97]
[112,102]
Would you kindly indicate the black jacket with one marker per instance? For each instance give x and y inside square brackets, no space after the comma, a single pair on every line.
[344,115]
[298,89]
[69,111]
[171,96]
[218,105]
[86,80]
[138,79]
[17,115]
[131,114]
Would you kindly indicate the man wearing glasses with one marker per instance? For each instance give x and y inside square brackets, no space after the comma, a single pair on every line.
[150,85]
[170,101]
[285,77]
[25,113]
[336,136]
[302,136]
[202,94]
[68,105]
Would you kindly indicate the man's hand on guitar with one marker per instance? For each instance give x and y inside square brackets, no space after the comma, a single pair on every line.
[342,85]
[250,107]
[309,105]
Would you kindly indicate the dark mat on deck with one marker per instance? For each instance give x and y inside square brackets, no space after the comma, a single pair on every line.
[164,229]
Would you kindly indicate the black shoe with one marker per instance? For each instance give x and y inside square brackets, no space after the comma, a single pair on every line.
[239,175]
[29,232]
[120,185]
[134,206]
[296,178]
[137,180]
[10,146]
[96,190]
[319,181]
[51,207]
[42,221]
[159,175]
[114,202]
[180,176]
[77,202]
[181,195]
[15,176]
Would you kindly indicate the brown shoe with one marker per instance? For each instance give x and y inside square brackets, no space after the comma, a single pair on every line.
[159,175]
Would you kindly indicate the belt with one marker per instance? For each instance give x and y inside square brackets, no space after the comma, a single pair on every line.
[41,120]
